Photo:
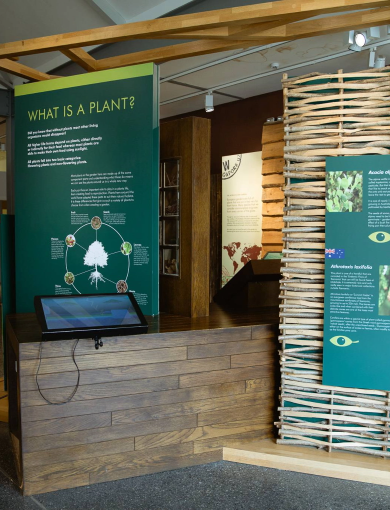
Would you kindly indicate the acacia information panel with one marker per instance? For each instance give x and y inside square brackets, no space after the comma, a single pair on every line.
[241,211]
[357,272]
[86,186]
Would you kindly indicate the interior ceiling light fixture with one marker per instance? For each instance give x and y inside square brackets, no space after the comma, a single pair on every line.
[380,62]
[358,40]
[209,102]
[371,57]
[374,33]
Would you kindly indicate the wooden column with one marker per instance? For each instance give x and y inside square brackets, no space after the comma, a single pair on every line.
[189,140]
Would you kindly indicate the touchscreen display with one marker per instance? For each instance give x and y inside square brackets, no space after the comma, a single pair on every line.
[88,312]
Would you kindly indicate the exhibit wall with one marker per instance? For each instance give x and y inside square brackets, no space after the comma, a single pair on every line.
[236,128]
[86,186]
[342,117]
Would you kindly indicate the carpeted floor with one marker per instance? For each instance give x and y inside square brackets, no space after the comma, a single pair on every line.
[218,486]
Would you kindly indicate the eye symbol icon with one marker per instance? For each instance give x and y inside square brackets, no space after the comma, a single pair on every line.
[342,341]
[379,237]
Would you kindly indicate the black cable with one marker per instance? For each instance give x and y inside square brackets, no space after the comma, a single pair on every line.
[78,377]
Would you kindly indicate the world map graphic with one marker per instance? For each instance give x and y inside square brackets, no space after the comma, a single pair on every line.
[239,254]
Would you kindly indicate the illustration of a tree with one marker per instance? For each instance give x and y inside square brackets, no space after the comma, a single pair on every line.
[96,256]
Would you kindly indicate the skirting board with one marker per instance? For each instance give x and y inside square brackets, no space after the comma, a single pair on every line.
[342,465]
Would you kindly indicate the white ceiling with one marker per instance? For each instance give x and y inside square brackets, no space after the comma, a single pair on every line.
[21,19]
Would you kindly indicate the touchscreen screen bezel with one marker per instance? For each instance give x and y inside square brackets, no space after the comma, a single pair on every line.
[94,331]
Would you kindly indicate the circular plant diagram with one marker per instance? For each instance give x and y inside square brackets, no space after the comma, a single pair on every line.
[69,278]
[121,287]
[96,222]
[96,258]
[70,240]
[126,248]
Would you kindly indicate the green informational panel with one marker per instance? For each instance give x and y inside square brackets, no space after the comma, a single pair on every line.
[357,272]
[86,186]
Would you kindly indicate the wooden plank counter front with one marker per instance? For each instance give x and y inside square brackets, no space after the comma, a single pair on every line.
[172,398]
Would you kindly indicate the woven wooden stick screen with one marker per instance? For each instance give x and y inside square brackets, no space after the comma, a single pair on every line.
[344,114]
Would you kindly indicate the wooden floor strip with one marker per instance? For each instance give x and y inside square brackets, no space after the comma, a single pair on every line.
[336,464]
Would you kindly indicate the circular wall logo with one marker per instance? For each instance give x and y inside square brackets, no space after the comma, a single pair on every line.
[230,165]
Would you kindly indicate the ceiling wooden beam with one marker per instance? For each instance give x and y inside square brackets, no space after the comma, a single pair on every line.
[257,13]
[81,57]
[236,31]
[174,52]
[323,26]
[286,32]
[309,28]
[23,71]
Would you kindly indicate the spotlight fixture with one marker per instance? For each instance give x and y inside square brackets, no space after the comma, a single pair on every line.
[376,61]
[371,57]
[209,102]
[374,33]
[358,40]
[380,62]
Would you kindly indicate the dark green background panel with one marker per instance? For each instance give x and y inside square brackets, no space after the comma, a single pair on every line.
[364,364]
[43,195]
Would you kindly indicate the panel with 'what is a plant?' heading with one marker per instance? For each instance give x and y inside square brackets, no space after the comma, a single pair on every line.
[96,230]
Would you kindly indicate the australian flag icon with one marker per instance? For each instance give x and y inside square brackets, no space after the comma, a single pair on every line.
[333,253]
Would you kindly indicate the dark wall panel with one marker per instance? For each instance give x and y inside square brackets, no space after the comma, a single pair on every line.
[237,127]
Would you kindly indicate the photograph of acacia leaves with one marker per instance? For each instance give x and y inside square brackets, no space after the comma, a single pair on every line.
[344,191]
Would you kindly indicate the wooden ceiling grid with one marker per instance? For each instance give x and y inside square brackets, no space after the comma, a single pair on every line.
[210,32]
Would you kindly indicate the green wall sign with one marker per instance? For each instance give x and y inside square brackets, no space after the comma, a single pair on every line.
[86,186]
[357,273]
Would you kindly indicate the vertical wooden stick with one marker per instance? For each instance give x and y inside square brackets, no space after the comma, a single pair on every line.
[386,435]
[287,203]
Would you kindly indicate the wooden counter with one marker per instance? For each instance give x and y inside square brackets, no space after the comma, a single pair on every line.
[172,398]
